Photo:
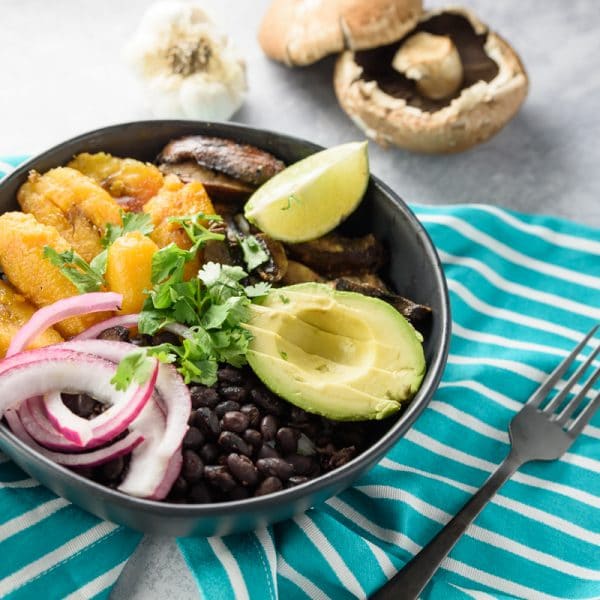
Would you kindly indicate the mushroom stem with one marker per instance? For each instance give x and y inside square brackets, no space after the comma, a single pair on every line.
[433,62]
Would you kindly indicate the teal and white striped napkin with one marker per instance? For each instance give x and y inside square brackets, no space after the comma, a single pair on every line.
[523,291]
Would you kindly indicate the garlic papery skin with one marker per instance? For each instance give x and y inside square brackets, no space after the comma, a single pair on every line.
[187,67]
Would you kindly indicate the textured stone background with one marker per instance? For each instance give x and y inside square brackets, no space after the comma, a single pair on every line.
[62,74]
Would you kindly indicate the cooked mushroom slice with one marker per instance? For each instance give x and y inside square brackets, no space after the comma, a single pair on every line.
[221,188]
[334,255]
[275,268]
[415,93]
[417,314]
[240,161]
[299,273]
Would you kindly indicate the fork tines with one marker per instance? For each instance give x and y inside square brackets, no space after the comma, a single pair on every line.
[542,392]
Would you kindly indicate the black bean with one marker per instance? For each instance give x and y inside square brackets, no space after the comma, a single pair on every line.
[253,437]
[193,438]
[207,421]
[203,396]
[224,407]
[180,487]
[301,464]
[266,451]
[112,469]
[267,401]
[276,467]
[287,438]
[80,404]
[297,480]
[268,428]
[297,415]
[165,337]
[230,375]
[235,421]
[220,477]
[341,457]
[268,486]
[199,494]
[238,493]
[193,467]
[115,334]
[236,393]
[243,469]
[231,442]
[209,453]
[140,340]
[253,415]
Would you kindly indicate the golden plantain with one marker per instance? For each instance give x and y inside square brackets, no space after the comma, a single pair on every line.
[22,241]
[129,269]
[15,311]
[77,206]
[177,199]
[131,181]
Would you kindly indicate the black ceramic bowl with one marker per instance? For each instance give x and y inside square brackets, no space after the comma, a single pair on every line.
[414,269]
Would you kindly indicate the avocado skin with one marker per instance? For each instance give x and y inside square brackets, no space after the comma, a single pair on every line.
[342,355]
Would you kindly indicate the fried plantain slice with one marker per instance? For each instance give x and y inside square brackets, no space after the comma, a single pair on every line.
[72,203]
[22,242]
[131,182]
[15,311]
[177,199]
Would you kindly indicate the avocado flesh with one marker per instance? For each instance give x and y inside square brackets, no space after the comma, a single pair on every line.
[339,354]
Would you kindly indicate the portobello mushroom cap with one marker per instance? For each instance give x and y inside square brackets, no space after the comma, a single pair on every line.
[301,32]
[390,96]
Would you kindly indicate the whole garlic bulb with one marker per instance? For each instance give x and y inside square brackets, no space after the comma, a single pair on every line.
[188,68]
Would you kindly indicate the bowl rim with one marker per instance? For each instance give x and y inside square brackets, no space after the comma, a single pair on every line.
[332,479]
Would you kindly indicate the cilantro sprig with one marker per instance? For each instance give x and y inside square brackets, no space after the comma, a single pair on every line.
[83,276]
[89,277]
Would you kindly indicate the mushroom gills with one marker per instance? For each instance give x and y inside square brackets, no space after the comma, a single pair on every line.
[477,66]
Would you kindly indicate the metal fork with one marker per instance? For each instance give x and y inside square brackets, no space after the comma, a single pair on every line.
[536,433]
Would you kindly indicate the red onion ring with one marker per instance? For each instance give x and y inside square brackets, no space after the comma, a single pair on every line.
[85,459]
[119,321]
[58,311]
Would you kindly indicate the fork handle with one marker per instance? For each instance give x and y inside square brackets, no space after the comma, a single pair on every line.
[412,579]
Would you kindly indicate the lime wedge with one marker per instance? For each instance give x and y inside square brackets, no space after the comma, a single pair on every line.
[309,198]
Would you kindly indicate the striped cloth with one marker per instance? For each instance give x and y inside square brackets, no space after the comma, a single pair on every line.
[523,291]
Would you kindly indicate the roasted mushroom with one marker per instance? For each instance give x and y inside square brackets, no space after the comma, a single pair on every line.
[449,84]
[245,163]
[220,187]
[299,273]
[334,255]
[300,32]
[417,314]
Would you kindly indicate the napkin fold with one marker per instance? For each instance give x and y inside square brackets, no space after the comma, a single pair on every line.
[523,291]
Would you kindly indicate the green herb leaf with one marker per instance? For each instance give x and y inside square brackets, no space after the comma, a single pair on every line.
[254,253]
[196,231]
[168,264]
[262,288]
[132,221]
[136,366]
[75,269]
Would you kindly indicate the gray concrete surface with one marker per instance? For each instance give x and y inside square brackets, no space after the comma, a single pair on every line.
[62,74]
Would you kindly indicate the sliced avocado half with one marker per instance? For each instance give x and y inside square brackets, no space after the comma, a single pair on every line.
[342,355]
